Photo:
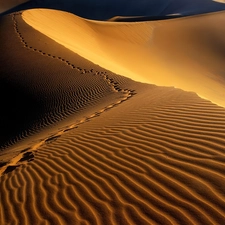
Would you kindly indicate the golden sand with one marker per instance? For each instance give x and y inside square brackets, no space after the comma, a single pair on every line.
[186,53]
[106,149]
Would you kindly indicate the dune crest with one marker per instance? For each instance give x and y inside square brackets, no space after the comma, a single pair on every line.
[179,52]
[60,84]
[113,151]
[157,161]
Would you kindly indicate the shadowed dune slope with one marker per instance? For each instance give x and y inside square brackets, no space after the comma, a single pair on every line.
[187,53]
[157,158]
[42,83]
[124,152]
[9,4]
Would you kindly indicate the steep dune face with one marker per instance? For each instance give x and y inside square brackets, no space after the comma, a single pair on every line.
[110,150]
[43,83]
[187,53]
[157,158]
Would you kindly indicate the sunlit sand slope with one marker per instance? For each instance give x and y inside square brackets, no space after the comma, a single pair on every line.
[126,153]
[187,53]
[157,158]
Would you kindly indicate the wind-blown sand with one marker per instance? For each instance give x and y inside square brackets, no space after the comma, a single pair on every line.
[179,52]
[88,146]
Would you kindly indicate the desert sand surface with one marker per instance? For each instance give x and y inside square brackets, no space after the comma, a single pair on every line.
[179,52]
[103,123]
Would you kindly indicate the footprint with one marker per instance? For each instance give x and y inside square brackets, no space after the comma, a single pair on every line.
[10,169]
[24,150]
[50,139]
[27,156]
[68,129]
[2,164]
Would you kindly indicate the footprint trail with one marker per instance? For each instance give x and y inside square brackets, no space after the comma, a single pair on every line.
[28,154]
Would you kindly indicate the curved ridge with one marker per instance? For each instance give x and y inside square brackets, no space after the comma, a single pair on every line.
[85,177]
[158,159]
[112,84]
[65,110]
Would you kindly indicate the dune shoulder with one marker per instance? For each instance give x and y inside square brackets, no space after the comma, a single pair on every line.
[43,83]
[89,146]
[156,158]
[178,52]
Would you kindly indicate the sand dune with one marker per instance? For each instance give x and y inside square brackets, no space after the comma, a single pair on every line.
[83,145]
[41,91]
[179,52]
[157,161]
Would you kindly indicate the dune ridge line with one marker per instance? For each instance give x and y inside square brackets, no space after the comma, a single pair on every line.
[15,162]
[151,169]
[170,53]
[156,159]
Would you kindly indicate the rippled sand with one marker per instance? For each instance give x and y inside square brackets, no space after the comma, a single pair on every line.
[87,146]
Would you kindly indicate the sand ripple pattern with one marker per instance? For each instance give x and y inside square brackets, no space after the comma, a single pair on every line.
[158,162]
[114,85]
[71,94]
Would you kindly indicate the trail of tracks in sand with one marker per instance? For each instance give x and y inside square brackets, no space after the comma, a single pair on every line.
[114,86]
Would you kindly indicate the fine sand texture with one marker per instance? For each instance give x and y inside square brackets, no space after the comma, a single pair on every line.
[43,83]
[83,145]
[186,53]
